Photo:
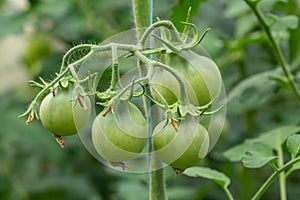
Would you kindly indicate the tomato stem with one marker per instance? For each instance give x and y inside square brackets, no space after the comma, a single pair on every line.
[271,179]
[277,51]
[70,52]
[115,67]
[156,180]
[182,89]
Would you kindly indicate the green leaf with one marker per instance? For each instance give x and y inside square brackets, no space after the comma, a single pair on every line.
[214,175]
[238,152]
[293,144]
[249,93]
[287,21]
[276,137]
[282,81]
[257,159]
[280,25]
[267,5]
[296,166]
[179,11]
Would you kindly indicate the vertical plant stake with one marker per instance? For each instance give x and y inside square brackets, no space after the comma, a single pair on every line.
[156,73]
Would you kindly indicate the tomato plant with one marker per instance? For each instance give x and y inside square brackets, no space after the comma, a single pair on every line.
[113,142]
[62,114]
[120,136]
[170,74]
[180,149]
[203,80]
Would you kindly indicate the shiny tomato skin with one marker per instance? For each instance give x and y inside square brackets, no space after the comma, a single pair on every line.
[112,142]
[203,81]
[178,154]
[62,114]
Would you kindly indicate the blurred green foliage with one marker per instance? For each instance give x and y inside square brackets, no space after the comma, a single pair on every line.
[35,34]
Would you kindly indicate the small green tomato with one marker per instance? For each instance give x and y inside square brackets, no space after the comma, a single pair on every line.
[61,115]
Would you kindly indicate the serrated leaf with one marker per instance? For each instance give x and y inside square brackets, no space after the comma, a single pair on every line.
[257,159]
[293,144]
[249,93]
[204,172]
[276,137]
[238,152]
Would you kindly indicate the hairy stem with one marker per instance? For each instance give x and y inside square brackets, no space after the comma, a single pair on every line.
[70,52]
[115,67]
[277,51]
[141,12]
[182,89]
[157,191]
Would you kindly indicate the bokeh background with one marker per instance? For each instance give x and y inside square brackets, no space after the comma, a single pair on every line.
[35,34]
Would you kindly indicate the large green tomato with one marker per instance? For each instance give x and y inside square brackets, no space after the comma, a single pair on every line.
[121,140]
[201,76]
[61,114]
[180,149]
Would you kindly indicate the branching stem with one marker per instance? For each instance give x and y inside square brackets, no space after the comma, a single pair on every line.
[277,51]
[270,180]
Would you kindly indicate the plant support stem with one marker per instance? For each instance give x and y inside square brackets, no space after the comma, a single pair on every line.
[157,191]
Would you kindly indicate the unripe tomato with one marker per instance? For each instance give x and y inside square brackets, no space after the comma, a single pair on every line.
[180,149]
[113,142]
[200,74]
[61,114]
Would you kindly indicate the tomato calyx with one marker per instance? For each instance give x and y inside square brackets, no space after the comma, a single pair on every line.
[59,140]
[106,110]
[124,93]
[118,164]
[178,171]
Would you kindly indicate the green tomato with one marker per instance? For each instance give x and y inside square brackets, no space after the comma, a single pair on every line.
[180,149]
[120,139]
[201,76]
[62,115]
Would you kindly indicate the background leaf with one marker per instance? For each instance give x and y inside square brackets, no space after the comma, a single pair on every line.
[252,92]
[216,176]
[276,137]
[293,144]
[257,159]
[237,153]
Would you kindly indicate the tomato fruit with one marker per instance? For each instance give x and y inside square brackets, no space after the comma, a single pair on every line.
[113,142]
[201,76]
[62,115]
[180,149]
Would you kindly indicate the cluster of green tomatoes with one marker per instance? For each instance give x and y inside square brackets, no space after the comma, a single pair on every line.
[180,84]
